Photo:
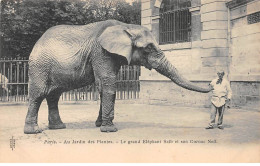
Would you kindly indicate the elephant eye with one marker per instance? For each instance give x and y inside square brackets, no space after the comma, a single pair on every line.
[149,48]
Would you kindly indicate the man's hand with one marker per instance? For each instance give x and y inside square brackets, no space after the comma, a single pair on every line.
[211,87]
[228,103]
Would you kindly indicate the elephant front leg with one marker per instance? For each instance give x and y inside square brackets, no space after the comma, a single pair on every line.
[99,118]
[106,112]
[106,67]
[108,102]
[98,122]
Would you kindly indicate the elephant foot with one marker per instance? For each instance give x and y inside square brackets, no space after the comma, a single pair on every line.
[108,127]
[56,126]
[98,122]
[32,129]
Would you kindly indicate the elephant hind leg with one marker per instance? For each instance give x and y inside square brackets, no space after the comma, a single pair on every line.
[31,121]
[54,116]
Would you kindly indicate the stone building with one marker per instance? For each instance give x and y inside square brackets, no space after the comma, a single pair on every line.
[198,37]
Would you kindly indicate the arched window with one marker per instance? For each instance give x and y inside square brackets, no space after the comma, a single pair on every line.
[175,21]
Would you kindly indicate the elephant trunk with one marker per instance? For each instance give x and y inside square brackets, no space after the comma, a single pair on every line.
[167,69]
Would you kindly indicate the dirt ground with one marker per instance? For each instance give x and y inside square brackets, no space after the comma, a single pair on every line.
[146,125]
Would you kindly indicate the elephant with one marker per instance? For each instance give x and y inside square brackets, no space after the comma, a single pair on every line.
[67,57]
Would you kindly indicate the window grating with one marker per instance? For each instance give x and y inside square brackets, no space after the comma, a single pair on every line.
[253,18]
[175,21]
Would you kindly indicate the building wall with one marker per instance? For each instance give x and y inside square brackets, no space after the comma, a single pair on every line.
[245,53]
[208,50]
[168,93]
[245,41]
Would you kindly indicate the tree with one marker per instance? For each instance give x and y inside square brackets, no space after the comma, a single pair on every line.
[115,9]
[24,21]
[128,13]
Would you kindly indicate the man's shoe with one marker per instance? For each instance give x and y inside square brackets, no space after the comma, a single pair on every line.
[209,127]
[221,127]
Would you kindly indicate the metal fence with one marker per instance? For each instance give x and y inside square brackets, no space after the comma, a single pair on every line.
[14,83]
[14,80]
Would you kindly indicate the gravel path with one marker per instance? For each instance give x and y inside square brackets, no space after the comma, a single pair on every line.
[138,125]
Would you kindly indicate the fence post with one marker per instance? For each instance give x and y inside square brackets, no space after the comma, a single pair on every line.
[4,72]
[24,79]
[17,80]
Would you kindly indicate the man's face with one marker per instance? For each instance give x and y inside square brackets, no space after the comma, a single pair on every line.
[220,74]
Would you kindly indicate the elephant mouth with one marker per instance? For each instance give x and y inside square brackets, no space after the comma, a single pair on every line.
[148,66]
[155,60]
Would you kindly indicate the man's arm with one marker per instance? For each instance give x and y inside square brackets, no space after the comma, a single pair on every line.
[211,85]
[229,91]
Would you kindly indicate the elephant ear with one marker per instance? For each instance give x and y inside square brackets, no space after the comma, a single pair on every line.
[115,40]
[140,37]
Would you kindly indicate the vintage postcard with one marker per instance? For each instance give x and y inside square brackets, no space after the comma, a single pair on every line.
[130,81]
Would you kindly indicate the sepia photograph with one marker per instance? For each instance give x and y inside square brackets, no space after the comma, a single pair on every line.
[130,81]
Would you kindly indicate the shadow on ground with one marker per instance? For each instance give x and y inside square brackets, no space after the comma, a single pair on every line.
[126,125]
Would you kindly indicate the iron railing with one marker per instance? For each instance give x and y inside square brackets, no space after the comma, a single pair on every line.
[175,22]
[14,79]
[14,83]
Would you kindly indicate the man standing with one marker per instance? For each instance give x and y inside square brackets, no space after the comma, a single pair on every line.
[221,93]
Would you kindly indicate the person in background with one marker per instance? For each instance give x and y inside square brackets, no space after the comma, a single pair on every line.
[3,86]
[221,94]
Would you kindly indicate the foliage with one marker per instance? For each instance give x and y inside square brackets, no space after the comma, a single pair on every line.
[24,21]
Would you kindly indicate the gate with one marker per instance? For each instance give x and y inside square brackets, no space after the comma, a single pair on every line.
[14,83]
